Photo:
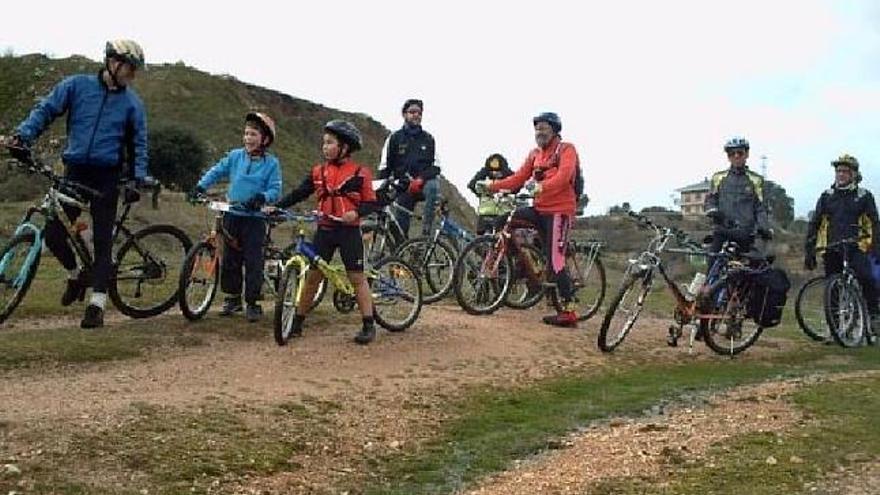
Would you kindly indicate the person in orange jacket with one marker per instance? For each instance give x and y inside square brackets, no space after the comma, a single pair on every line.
[345,194]
[553,167]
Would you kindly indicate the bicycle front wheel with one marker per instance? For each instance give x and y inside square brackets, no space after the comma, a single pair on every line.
[434,263]
[623,311]
[286,303]
[147,271]
[845,310]
[19,260]
[396,293]
[809,310]
[482,277]
[732,330]
[198,280]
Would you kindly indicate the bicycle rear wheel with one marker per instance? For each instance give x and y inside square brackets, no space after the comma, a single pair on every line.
[147,277]
[845,310]
[396,293]
[482,277]
[285,304]
[526,290]
[733,331]
[809,310]
[588,278]
[434,263]
[198,280]
[19,260]
[624,310]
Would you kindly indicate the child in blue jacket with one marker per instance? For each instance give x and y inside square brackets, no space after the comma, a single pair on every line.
[254,180]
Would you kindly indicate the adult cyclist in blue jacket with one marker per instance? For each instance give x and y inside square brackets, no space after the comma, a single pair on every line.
[106,141]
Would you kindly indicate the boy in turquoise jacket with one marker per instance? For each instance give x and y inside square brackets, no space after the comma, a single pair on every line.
[254,180]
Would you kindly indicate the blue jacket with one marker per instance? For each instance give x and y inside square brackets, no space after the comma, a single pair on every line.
[101,123]
[247,177]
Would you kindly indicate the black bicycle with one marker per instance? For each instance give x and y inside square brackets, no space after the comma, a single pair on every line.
[144,277]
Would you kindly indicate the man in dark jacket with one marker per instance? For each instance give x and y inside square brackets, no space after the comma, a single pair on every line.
[846,211]
[106,130]
[489,212]
[409,154]
[735,201]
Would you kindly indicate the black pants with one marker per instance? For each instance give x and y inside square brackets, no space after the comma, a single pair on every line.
[250,236]
[858,261]
[554,230]
[103,209]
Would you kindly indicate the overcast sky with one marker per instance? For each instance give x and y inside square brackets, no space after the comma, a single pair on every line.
[647,91]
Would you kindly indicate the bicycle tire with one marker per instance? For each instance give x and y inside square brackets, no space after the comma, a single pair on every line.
[20,244]
[524,293]
[490,290]
[150,265]
[608,342]
[587,301]
[434,264]
[393,282]
[816,328]
[202,255]
[285,305]
[847,325]
[725,335]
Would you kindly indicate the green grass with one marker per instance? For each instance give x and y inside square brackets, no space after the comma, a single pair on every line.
[846,433]
[495,427]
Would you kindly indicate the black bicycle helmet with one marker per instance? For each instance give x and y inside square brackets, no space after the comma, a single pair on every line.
[346,132]
[550,118]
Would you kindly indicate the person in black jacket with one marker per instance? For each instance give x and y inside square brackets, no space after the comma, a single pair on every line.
[488,211]
[409,155]
[844,211]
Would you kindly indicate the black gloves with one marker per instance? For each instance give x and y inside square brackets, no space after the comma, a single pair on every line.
[256,202]
[765,233]
[196,194]
[130,194]
[810,260]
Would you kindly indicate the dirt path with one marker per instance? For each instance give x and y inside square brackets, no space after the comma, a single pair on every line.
[377,387]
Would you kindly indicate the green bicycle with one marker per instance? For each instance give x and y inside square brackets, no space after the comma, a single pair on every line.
[394,285]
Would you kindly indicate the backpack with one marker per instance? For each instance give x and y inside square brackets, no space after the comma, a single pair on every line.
[769,294]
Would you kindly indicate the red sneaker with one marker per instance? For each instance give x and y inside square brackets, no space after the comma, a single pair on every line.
[562,319]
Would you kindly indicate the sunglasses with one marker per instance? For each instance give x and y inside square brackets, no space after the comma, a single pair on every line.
[736,152]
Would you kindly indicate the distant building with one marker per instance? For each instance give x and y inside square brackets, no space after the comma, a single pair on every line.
[691,198]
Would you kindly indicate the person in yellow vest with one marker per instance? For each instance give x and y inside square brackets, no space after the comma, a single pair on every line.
[846,210]
[490,212]
[735,201]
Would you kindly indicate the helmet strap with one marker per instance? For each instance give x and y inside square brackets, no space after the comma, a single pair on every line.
[112,73]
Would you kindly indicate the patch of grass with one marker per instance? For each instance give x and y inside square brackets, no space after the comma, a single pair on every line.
[496,427]
[845,434]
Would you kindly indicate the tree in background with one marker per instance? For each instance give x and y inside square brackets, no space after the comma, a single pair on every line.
[176,157]
[779,204]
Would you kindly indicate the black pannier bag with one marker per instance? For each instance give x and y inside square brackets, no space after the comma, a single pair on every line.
[769,294]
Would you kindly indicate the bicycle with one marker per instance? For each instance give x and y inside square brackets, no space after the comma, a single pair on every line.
[498,269]
[200,270]
[140,285]
[434,257]
[720,306]
[845,308]
[395,287]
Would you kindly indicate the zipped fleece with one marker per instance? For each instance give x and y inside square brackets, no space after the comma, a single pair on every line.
[247,177]
[557,186]
[101,124]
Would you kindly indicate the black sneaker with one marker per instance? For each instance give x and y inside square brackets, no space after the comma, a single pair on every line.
[75,290]
[94,317]
[231,306]
[296,329]
[366,335]
[254,312]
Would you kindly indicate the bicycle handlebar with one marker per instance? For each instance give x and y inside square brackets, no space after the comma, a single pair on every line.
[681,236]
[25,159]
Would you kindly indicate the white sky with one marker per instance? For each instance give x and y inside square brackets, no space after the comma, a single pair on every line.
[647,91]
